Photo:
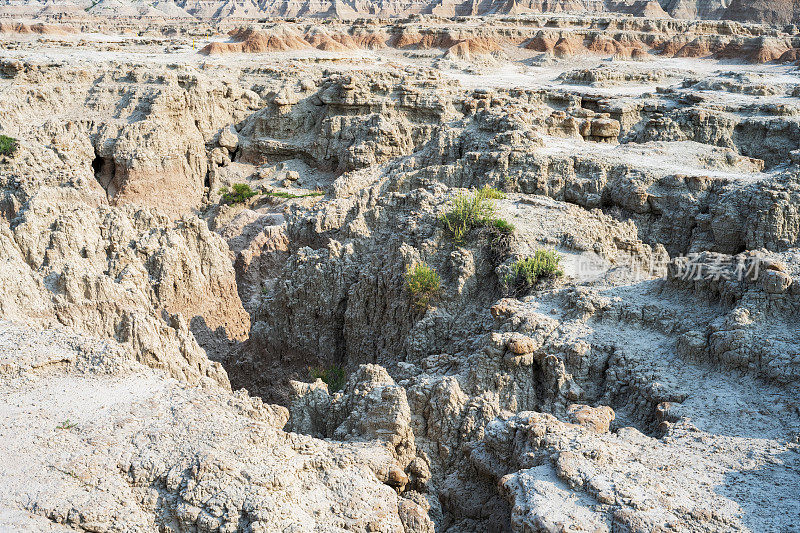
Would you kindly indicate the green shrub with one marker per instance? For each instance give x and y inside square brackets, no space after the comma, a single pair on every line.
[423,283]
[526,272]
[490,193]
[8,145]
[241,193]
[502,226]
[66,424]
[500,235]
[468,211]
[281,194]
[333,376]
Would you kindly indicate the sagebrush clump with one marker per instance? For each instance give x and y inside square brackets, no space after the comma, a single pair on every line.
[470,211]
[8,145]
[423,283]
[526,272]
[240,194]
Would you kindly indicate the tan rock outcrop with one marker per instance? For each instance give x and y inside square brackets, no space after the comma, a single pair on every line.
[595,418]
[249,40]
[130,275]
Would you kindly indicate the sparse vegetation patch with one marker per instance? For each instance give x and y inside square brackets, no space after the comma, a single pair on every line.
[281,194]
[333,376]
[240,194]
[8,145]
[502,226]
[500,236]
[469,211]
[66,424]
[526,272]
[490,193]
[423,283]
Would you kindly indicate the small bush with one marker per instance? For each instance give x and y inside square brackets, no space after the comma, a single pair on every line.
[502,226]
[8,145]
[526,272]
[241,193]
[500,235]
[468,211]
[333,376]
[423,283]
[490,193]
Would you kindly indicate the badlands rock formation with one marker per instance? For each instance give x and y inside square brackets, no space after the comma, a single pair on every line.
[177,358]
[562,38]
[779,12]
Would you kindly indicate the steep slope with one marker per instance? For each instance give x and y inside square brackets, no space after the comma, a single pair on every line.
[776,12]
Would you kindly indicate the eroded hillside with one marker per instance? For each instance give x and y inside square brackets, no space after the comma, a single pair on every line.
[183,216]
